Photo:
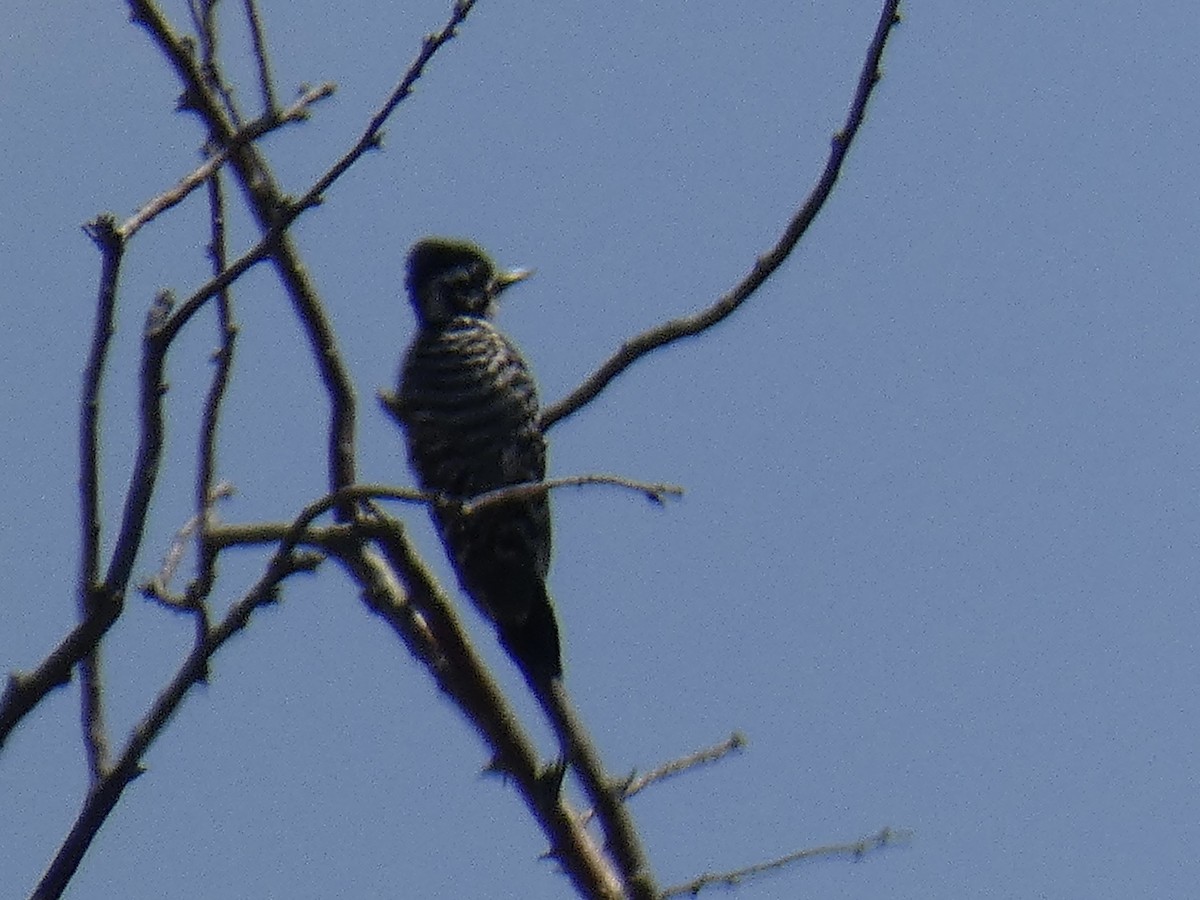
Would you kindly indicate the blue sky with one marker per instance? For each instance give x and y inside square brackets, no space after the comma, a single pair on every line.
[937,558]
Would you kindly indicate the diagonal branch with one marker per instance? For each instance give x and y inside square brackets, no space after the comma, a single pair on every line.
[103,796]
[855,850]
[398,588]
[638,783]
[25,690]
[461,675]
[175,195]
[764,267]
[371,137]
[405,595]
[604,793]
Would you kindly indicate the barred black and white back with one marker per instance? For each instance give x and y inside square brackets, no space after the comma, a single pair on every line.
[468,405]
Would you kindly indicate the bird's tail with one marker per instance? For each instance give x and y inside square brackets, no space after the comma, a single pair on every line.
[533,643]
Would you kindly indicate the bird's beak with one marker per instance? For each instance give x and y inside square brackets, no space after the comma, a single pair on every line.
[504,279]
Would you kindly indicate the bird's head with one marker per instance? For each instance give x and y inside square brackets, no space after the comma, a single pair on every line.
[448,278]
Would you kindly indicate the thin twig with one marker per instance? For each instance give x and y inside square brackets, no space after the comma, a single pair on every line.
[91,714]
[856,850]
[296,112]
[370,138]
[676,329]
[204,20]
[707,756]
[159,587]
[266,532]
[655,492]
[635,784]
[93,600]
[184,311]
[266,83]
[206,493]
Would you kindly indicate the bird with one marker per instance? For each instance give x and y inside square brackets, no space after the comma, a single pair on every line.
[468,405]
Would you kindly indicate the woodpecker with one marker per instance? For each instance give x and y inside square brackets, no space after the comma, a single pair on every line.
[468,406]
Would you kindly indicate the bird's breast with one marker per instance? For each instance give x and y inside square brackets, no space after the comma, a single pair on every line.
[469,406]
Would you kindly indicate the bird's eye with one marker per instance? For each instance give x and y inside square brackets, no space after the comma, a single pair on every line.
[462,289]
[466,278]
[456,277]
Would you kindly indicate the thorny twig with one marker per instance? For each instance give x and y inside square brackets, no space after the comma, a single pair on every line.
[855,850]
[638,783]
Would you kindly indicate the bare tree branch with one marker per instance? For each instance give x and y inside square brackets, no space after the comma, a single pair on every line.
[93,601]
[25,690]
[145,473]
[463,677]
[424,619]
[183,313]
[159,587]
[104,795]
[266,532]
[635,784]
[297,112]
[371,137]
[604,793]
[655,492]
[855,850]
[764,267]
[204,20]
[707,756]
[112,248]
[98,606]
[274,212]
[266,83]
[206,493]
[431,630]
